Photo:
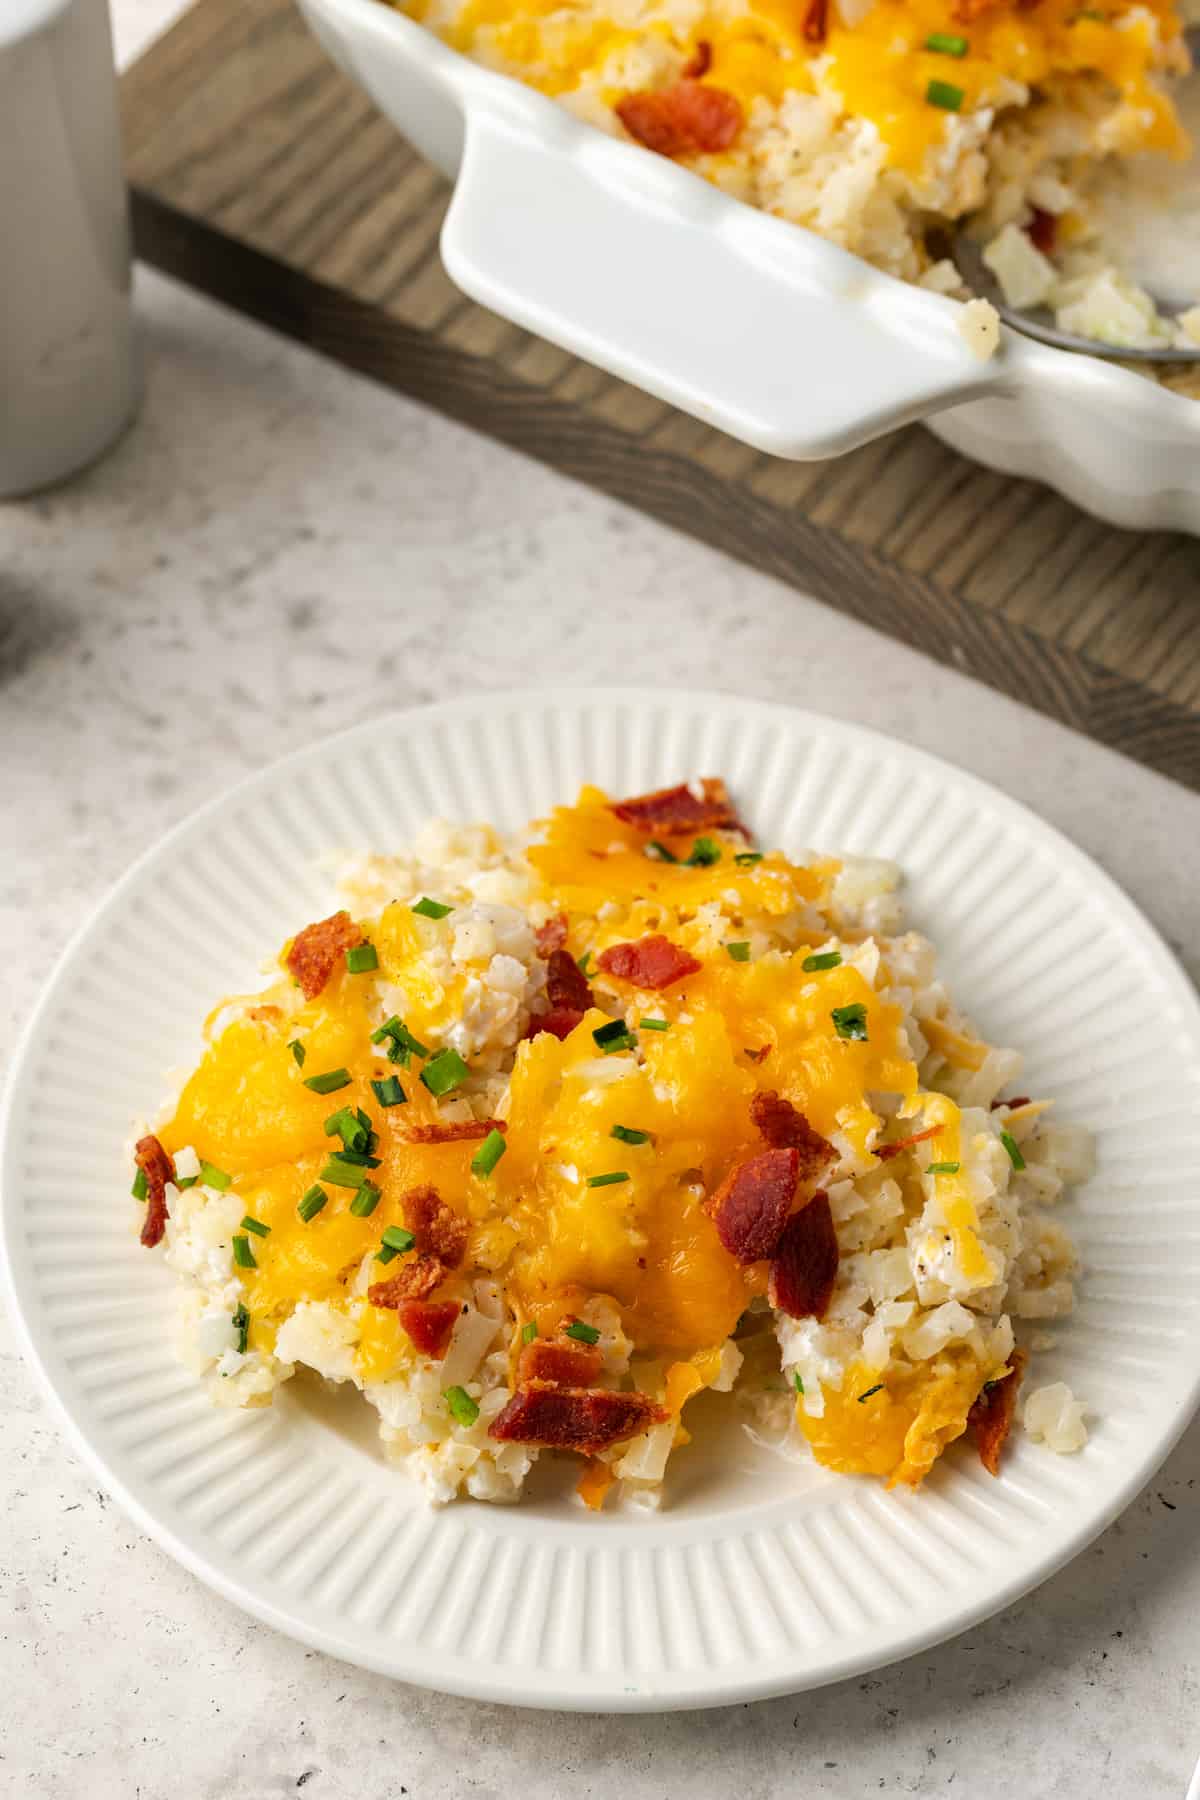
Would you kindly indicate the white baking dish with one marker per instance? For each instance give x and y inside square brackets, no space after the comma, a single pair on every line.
[747,322]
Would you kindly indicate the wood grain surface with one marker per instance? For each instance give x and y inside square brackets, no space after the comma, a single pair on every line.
[263,177]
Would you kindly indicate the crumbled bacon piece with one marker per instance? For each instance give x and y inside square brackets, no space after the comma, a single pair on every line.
[457,1131]
[429,1323]
[585,1419]
[567,987]
[786,1128]
[751,1206]
[264,1015]
[651,962]
[1017,1100]
[1042,231]
[560,1021]
[438,1229]
[885,1152]
[414,1281]
[687,117]
[552,935]
[805,1264]
[562,1365]
[991,1416]
[700,61]
[317,950]
[158,1169]
[816,21]
[678,810]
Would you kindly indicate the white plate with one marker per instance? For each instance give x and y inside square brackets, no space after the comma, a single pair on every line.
[758,1577]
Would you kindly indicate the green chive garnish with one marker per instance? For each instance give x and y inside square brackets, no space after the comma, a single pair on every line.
[704,853]
[243,1255]
[851,1021]
[431,909]
[584,962]
[462,1408]
[361,1159]
[659,853]
[394,1241]
[614,1036]
[141,1187]
[330,1082]
[945,95]
[1014,1153]
[608,1180]
[298,1051]
[828,959]
[654,1024]
[444,1072]
[241,1324]
[740,952]
[943,1169]
[871,1390]
[249,1223]
[946,43]
[799,1384]
[626,1041]
[746,859]
[585,1334]
[186,1181]
[213,1177]
[354,1128]
[361,958]
[341,1172]
[488,1153]
[389,1092]
[365,1201]
[402,1046]
[312,1203]
[628,1135]
[529,1332]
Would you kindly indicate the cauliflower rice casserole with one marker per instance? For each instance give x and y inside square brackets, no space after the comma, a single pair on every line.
[882,123]
[538,1139]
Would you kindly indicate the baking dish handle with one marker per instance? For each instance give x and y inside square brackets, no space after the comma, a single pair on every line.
[744,321]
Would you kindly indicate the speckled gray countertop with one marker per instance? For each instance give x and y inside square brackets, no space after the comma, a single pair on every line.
[279,550]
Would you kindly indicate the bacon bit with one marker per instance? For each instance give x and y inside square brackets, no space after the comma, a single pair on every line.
[676,810]
[552,935]
[560,1021]
[594,1483]
[816,21]
[429,1323]
[562,1365]
[751,1206]
[885,1152]
[991,1416]
[567,987]
[317,950]
[966,10]
[805,1264]
[158,1169]
[263,1015]
[585,1419]
[452,1132]
[679,119]
[414,1281]
[1042,231]
[1017,1100]
[700,61]
[439,1231]
[786,1128]
[651,962]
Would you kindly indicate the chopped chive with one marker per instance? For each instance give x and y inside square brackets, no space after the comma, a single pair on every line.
[613,1036]
[626,1041]
[360,1159]
[349,1127]
[243,1255]
[799,1384]
[654,1024]
[488,1153]
[746,859]
[361,958]
[330,1082]
[241,1324]
[186,1181]
[431,909]
[871,1390]
[583,1334]
[608,1180]
[946,43]
[1014,1153]
[659,853]
[444,1072]
[312,1202]
[397,1239]
[943,1169]
[529,1332]
[740,952]
[298,1051]
[213,1177]
[828,959]
[584,962]
[704,853]
[365,1201]
[463,1409]
[341,1172]
[389,1092]
[851,1021]
[401,1044]
[141,1187]
[629,1135]
[945,95]
[250,1223]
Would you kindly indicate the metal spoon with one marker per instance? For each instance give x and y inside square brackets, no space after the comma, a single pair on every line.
[1038,322]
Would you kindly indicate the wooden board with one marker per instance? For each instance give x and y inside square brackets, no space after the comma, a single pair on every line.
[263,177]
